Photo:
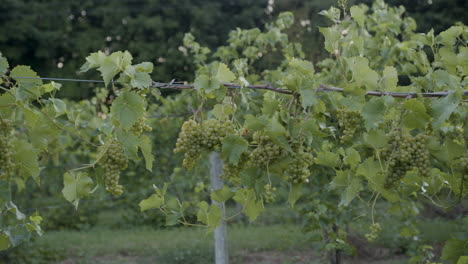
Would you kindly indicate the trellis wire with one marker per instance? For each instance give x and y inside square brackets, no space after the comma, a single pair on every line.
[186,86]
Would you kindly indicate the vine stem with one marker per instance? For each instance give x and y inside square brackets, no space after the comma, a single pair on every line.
[373,207]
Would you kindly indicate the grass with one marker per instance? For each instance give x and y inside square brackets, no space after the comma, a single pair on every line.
[276,237]
[178,245]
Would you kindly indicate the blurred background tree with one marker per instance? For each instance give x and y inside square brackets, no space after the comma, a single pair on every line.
[54,36]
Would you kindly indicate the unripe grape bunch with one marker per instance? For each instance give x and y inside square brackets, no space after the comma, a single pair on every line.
[405,153]
[194,138]
[265,151]
[141,126]
[114,161]
[269,193]
[231,172]
[350,123]
[298,171]
[7,165]
[375,229]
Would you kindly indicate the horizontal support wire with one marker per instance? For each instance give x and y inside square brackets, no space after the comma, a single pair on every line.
[269,87]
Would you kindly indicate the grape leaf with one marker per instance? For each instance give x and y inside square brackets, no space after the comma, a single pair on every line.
[233,147]
[222,195]
[223,74]
[358,13]
[26,157]
[327,158]
[294,193]
[27,88]
[76,186]
[152,202]
[389,79]
[127,109]
[146,145]
[250,207]
[214,217]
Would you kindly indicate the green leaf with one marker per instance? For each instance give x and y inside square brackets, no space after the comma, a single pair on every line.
[223,74]
[113,64]
[327,158]
[127,109]
[332,37]
[352,157]
[130,143]
[27,88]
[270,104]
[449,58]
[201,82]
[154,201]
[253,123]
[4,241]
[374,110]
[358,13]
[76,186]
[308,97]
[295,193]
[26,157]
[443,108]
[12,208]
[463,260]
[250,207]
[376,138]
[146,145]
[144,67]
[351,184]
[233,147]
[94,60]
[362,74]
[449,36]
[222,195]
[303,66]
[416,117]
[389,79]
[59,106]
[454,248]
[462,59]
[5,191]
[214,217]
[3,64]
[141,80]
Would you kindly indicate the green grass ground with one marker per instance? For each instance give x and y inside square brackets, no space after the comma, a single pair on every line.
[247,244]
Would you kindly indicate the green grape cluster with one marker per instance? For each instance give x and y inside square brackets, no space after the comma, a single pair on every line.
[375,229]
[350,123]
[141,126]
[214,132]
[114,161]
[194,138]
[265,151]
[7,165]
[190,141]
[231,172]
[405,153]
[298,171]
[269,193]
[463,164]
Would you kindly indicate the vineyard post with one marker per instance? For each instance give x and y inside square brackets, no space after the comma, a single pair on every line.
[220,233]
